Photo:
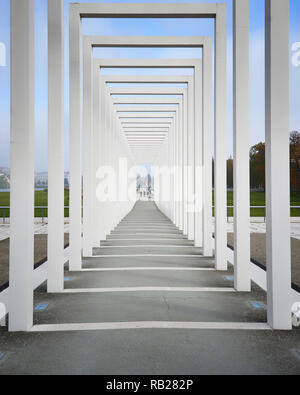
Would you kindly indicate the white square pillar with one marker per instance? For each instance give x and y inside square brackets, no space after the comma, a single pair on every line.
[207,148]
[185,160]
[55,145]
[277,165]
[97,157]
[220,139]
[87,246]
[75,138]
[190,173]
[241,106]
[21,257]
[198,171]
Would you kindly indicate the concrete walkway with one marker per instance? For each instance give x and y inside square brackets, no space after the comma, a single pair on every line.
[148,302]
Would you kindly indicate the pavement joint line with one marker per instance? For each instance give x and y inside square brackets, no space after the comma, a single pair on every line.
[144,255]
[150,234]
[154,229]
[107,269]
[109,240]
[112,238]
[151,325]
[149,245]
[149,289]
[157,224]
[146,227]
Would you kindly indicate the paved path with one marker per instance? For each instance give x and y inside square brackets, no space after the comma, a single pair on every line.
[148,302]
[255,227]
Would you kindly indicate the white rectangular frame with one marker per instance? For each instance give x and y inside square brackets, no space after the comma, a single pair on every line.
[203,224]
[218,12]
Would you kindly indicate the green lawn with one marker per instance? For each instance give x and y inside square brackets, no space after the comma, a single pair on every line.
[40,199]
[256,199]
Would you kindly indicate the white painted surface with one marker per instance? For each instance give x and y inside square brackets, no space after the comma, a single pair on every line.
[150,325]
[151,268]
[75,76]
[147,234]
[149,255]
[241,122]
[21,165]
[220,136]
[207,148]
[278,243]
[149,245]
[254,228]
[151,289]
[55,145]
[88,151]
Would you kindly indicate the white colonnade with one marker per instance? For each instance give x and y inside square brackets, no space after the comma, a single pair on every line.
[111,144]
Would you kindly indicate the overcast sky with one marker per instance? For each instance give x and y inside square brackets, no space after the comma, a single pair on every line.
[172,27]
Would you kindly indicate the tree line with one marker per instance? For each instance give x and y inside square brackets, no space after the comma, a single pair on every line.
[257,165]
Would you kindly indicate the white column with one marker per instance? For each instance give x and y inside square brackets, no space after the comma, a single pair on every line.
[110,162]
[206,75]
[173,131]
[207,148]
[220,139]
[241,105]
[106,162]
[75,138]
[180,163]
[87,242]
[184,160]
[170,168]
[190,162]
[102,133]
[176,141]
[55,145]
[198,171]
[21,166]
[97,157]
[277,165]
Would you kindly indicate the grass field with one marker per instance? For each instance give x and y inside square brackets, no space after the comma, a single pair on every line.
[256,199]
[40,199]
[259,199]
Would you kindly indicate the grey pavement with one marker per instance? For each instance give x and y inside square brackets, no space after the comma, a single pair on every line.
[165,287]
